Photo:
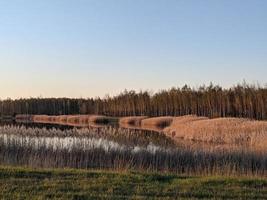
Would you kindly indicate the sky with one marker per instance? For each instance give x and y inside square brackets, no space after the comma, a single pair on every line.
[90,48]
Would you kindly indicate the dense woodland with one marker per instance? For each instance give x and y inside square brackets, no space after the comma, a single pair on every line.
[244,100]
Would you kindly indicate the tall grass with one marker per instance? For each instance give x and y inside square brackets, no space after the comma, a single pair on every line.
[132,120]
[73,120]
[220,130]
[189,127]
[160,122]
[113,148]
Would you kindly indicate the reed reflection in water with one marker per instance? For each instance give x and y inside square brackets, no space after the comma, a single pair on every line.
[118,148]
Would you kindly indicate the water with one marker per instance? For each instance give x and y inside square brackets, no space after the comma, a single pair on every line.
[35,125]
[127,137]
[109,146]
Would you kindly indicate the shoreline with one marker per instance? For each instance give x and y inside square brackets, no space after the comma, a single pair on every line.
[188,127]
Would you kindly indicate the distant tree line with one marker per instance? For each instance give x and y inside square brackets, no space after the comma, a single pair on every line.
[244,100]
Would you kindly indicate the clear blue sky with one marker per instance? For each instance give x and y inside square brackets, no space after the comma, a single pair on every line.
[88,48]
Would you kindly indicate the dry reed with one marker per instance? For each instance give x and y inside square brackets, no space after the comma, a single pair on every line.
[161,122]
[219,130]
[119,149]
[132,120]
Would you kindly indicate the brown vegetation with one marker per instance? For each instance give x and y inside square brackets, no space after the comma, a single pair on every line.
[145,128]
[132,120]
[101,119]
[189,127]
[178,121]
[74,120]
[219,130]
[40,118]
[116,148]
[160,122]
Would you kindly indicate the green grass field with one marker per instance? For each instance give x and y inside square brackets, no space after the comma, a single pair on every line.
[22,183]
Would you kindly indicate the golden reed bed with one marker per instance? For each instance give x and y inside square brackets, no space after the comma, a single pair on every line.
[189,127]
[219,130]
[132,120]
[75,120]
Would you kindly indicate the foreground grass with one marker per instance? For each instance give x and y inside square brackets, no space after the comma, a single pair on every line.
[22,183]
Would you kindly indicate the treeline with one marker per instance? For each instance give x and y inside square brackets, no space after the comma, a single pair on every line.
[244,100]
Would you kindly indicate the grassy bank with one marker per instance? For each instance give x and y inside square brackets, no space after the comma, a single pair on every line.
[22,183]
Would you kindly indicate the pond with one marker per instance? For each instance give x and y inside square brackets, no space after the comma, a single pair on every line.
[111,146]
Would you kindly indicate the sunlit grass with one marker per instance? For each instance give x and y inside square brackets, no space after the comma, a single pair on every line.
[24,183]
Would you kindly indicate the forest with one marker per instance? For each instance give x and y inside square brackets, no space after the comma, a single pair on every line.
[241,100]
